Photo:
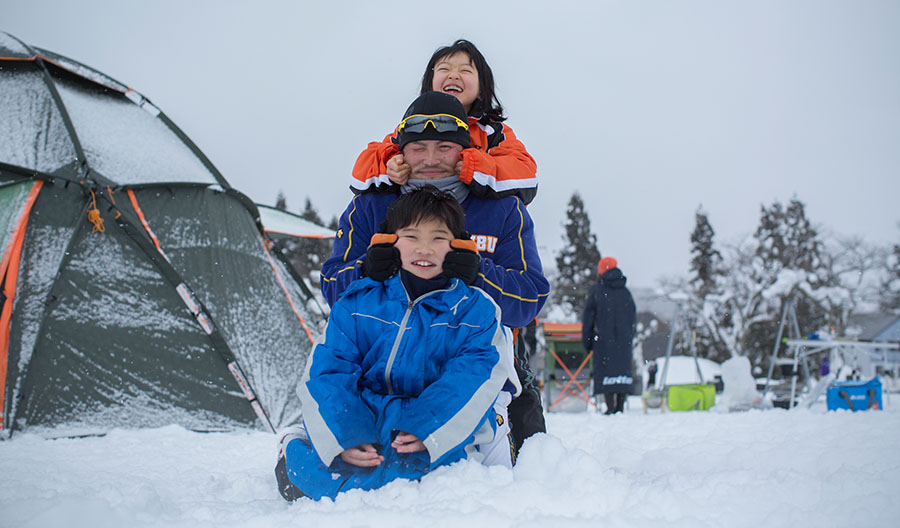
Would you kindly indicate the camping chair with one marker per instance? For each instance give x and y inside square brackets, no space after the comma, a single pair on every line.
[579,391]
[567,365]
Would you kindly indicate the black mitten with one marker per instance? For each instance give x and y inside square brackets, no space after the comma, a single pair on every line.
[463,262]
[382,258]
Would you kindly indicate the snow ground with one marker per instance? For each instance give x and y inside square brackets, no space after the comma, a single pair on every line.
[755,469]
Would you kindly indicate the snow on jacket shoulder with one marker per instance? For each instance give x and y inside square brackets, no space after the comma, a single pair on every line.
[431,367]
[503,232]
[496,165]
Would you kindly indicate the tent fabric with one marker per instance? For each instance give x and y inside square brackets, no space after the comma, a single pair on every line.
[145,292]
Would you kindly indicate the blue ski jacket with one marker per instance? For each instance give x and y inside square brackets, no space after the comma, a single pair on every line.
[429,366]
[503,233]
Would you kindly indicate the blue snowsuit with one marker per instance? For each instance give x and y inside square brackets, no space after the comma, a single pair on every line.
[503,232]
[385,363]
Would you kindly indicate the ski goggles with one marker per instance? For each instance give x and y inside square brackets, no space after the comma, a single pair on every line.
[416,123]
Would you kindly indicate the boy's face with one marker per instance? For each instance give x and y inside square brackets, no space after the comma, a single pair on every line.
[423,247]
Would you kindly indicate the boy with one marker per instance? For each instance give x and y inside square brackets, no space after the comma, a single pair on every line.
[408,369]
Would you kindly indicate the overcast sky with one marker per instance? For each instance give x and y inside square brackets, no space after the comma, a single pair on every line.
[648,109]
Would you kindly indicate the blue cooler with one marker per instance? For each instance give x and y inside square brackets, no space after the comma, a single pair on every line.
[854,395]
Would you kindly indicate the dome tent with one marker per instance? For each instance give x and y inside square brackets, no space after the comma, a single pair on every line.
[138,287]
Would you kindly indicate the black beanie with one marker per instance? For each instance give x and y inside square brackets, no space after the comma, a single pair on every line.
[430,103]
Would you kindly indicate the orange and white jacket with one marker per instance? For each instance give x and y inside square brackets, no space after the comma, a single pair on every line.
[496,165]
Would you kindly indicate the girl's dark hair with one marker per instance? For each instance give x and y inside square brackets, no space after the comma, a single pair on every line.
[486,107]
[427,203]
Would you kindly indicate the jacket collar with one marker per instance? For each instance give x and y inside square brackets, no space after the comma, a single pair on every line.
[395,291]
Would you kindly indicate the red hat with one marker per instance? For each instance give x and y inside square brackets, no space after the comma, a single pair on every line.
[606,264]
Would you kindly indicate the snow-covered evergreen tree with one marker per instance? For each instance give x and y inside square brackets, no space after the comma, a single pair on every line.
[703,309]
[576,262]
[706,260]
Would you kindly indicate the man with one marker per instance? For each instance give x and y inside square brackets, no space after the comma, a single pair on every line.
[431,137]
[608,329]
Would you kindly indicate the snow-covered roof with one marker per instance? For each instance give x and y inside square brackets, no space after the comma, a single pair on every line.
[874,327]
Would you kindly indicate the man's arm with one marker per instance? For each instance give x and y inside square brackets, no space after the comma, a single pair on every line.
[350,242]
[513,276]
[502,168]
[370,173]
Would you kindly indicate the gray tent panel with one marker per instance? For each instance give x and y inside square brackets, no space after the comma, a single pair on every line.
[218,251]
[32,132]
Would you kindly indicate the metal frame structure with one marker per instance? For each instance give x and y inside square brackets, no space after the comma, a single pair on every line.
[677,326]
[799,352]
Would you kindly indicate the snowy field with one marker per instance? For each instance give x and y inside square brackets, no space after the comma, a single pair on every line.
[758,469]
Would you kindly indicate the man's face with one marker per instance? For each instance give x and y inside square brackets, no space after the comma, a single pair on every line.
[423,247]
[430,159]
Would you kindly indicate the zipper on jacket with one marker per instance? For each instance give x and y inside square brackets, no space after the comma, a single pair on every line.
[396,346]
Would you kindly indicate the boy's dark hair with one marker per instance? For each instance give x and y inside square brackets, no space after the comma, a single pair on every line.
[427,203]
[486,107]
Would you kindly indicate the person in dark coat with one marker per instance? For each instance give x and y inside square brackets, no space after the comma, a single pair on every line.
[608,330]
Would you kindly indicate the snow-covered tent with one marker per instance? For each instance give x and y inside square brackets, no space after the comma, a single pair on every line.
[138,287]
[282,224]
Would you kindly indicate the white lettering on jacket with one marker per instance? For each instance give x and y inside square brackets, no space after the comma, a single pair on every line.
[485,243]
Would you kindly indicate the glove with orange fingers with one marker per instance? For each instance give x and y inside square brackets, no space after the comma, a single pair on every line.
[463,261]
[382,258]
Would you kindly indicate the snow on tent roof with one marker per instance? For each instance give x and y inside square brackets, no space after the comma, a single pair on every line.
[91,122]
[124,142]
[11,47]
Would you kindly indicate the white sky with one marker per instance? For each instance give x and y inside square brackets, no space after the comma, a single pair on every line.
[648,109]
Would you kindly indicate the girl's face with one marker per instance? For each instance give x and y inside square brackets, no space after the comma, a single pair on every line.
[456,75]
[423,246]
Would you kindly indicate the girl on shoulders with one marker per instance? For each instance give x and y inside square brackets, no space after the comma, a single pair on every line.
[496,164]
